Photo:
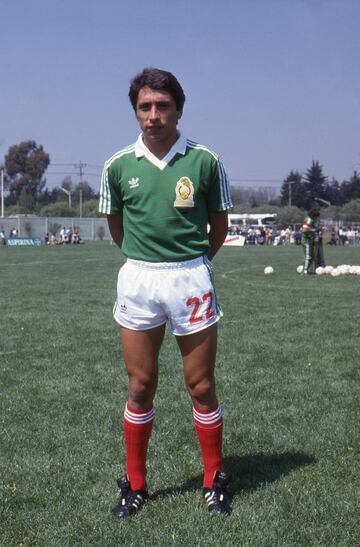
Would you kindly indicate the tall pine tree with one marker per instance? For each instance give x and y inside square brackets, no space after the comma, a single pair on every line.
[315,185]
[292,190]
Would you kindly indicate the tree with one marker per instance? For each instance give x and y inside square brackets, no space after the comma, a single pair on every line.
[351,211]
[91,208]
[25,165]
[86,190]
[68,185]
[315,184]
[333,192]
[288,216]
[350,189]
[293,191]
[59,209]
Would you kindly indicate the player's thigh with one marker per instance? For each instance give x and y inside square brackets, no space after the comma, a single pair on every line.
[141,351]
[198,352]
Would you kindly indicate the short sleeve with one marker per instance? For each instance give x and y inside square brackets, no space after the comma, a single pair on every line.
[218,194]
[110,200]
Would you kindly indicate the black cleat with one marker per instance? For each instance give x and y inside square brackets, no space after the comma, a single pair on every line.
[217,498]
[130,501]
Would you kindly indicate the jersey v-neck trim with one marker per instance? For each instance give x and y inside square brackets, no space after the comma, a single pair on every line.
[142,150]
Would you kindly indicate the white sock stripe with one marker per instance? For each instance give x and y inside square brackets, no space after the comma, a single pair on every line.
[208,418]
[138,418]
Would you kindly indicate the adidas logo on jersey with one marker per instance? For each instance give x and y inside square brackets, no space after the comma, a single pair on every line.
[134,182]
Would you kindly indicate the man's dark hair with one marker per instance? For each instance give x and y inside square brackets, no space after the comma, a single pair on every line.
[161,80]
[314,212]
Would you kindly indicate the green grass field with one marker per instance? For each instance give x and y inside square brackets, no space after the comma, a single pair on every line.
[288,377]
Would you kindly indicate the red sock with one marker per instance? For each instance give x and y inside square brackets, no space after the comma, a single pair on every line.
[209,428]
[137,429]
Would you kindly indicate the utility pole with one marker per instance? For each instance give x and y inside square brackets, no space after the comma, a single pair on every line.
[2,193]
[80,166]
[290,183]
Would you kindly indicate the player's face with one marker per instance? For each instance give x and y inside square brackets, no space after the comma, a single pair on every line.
[157,115]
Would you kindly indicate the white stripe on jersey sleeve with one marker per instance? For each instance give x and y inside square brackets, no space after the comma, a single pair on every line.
[224,186]
[105,193]
[226,201]
[105,196]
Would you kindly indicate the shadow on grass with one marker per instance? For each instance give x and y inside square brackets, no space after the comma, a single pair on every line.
[248,472]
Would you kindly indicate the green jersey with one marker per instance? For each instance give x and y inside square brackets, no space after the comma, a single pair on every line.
[309,228]
[164,203]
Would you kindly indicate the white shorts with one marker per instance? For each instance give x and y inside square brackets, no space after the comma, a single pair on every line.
[150,293]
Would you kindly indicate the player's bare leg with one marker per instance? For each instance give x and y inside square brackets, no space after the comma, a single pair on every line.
[141,351]
[199,353]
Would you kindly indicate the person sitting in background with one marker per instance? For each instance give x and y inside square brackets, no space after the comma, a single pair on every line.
[68,236]
[75,236]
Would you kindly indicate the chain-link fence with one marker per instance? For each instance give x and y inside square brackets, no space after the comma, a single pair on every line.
[31,226]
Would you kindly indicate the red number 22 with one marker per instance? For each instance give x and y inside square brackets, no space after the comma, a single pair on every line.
[196,302]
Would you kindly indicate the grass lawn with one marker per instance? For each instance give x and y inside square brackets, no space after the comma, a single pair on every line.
[288,377]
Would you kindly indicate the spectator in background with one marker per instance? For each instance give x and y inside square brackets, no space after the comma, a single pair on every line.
[342,236]
[62,235]
[282,237]
[68,235]
[261,236]
[268,235]
[2,237]
[297,237]
[332,240]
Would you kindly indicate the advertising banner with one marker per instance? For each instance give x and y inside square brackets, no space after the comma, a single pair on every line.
[16,241]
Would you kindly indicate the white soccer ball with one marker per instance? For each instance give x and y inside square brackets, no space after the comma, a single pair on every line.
[328,270]
[319,270]
[335,272]
[268,270]
[300,269]
[344,269]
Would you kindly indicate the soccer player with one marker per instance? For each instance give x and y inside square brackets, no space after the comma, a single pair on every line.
[159,195]
[310,240]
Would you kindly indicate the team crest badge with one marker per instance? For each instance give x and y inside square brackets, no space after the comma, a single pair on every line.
[184,193]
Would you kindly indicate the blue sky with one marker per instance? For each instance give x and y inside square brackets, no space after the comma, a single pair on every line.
[270,84]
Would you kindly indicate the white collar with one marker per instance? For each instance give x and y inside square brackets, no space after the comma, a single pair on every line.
[179,147]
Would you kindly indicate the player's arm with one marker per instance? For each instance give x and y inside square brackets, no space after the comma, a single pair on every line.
[218,231]
[115,223]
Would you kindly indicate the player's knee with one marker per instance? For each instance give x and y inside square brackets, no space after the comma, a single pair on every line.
[141,390]
[202,391]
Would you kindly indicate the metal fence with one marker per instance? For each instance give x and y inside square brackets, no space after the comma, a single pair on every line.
[31,226]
